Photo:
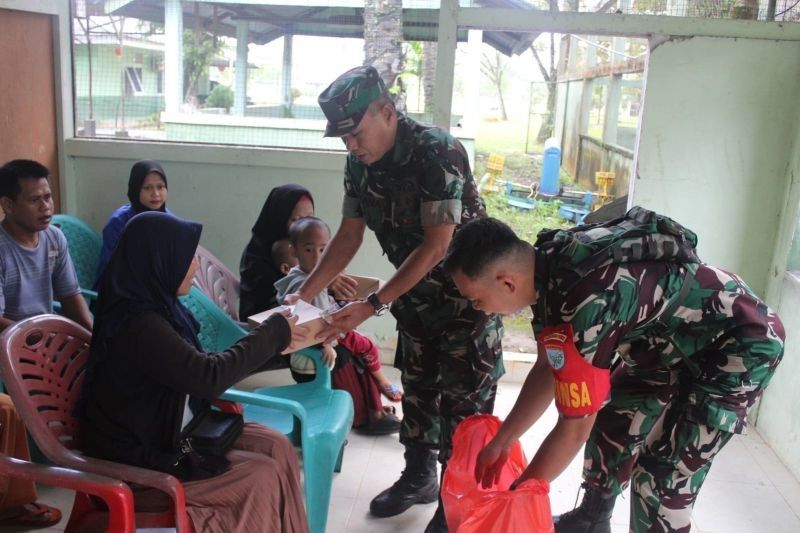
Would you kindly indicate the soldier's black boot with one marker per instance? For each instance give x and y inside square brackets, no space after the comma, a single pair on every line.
[438,523]
[417,484]
[593,515]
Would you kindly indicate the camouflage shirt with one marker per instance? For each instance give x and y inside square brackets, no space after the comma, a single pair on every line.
[721,327]
[424,180]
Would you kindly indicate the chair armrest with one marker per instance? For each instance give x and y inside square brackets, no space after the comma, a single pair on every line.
[262,400]
[133,474]
[116,494]
[89,295]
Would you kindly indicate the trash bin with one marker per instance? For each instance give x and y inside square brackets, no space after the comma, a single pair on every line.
[549,184]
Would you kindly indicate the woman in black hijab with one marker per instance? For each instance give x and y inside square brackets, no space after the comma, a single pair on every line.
[146,364]
[147,191]
[284,205]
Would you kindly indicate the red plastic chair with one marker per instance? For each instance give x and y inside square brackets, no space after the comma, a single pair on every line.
[115,494]
[42,360]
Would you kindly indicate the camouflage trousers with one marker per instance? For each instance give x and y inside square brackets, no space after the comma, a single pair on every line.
[448,375]
[661,431]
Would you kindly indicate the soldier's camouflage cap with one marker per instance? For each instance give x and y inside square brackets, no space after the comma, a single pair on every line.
[346,100]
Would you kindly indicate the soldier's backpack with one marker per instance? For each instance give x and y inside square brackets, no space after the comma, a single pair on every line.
[639,235]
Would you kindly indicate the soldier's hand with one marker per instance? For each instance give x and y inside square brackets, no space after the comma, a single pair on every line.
[351,315]
[490,463]
[344,287]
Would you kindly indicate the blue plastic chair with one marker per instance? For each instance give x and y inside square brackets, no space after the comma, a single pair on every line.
[312,415]
[84,250]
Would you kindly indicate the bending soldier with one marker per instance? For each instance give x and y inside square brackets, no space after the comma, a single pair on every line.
[695,349]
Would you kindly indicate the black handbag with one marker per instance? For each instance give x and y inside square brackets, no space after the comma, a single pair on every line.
[203,444]
[212,432]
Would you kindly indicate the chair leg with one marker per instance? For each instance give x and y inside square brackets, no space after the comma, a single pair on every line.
[318,470]
[338,467]
[82,506]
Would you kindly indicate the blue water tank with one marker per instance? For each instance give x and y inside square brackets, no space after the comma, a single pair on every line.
[548,184]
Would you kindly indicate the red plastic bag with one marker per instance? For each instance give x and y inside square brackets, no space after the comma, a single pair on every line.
[471,508]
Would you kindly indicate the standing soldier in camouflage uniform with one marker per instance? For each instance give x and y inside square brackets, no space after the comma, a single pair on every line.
[412,185]
[696,348]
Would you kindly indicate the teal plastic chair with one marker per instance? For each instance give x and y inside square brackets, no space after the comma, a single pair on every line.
[312,415]
[84,250]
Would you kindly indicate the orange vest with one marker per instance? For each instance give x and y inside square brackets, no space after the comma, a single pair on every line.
[580,388]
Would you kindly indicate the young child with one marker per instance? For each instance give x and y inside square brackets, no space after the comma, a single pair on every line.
[307,240]
[282,256]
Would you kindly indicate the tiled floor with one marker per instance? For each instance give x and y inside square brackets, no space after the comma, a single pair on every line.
[748,489]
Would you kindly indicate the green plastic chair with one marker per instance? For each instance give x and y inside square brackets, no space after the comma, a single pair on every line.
[312,415]
[84,250]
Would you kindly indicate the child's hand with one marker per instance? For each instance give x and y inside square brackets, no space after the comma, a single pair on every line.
[328,355]
[344,287]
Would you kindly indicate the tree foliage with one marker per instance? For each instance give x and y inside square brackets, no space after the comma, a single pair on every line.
[494,67]
[199,50]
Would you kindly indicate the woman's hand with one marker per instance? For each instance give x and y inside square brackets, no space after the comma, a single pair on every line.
[299,333]
[490,462]
[344,287]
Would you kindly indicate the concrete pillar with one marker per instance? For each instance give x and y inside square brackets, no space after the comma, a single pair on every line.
[613,96]
[445,64]
[472,91]
[286,73]
[240,80]
[173,55]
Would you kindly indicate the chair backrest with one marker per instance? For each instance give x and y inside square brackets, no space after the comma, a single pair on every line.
[84,247]
[43,360]
[217,331]
[217,282]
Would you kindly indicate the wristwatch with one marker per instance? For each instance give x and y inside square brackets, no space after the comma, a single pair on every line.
[377,305]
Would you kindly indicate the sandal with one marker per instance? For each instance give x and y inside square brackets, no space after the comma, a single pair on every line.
[31,515]
[385,426]
[392,392]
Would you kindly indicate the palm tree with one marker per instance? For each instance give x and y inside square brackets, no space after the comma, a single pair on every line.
[383,39]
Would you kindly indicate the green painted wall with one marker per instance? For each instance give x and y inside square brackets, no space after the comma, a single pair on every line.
[222,187]
[717,132]
[778,415]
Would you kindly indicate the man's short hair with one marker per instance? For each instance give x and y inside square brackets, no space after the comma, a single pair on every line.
[280,253]
[479,244]
[18,169]
[376,105]
[300,226]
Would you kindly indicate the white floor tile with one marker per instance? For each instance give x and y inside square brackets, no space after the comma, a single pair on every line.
[413,520]
[339,513]
[748,490]
[347,483]
[729,507]
[735,463]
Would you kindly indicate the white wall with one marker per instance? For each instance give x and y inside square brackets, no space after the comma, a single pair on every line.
[222,187]
[718,126]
